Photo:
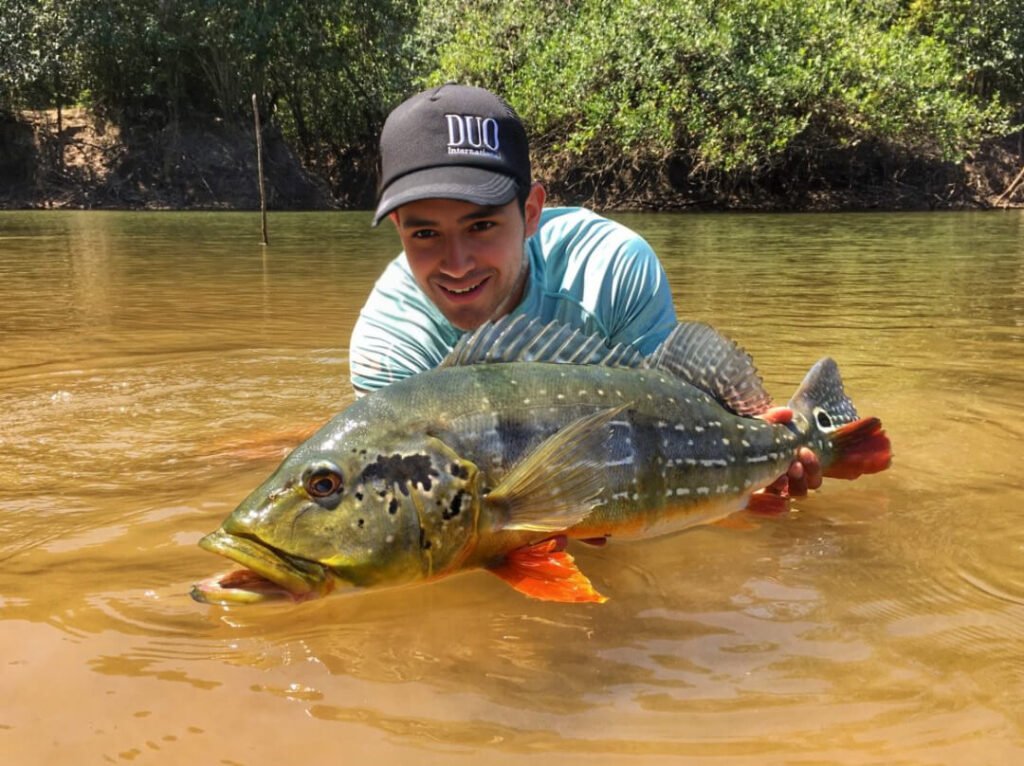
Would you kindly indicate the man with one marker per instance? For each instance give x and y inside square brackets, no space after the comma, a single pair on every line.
[479,244]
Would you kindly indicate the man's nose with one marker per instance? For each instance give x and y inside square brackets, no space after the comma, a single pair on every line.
[458,258]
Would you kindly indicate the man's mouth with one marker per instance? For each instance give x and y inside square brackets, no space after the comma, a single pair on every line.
[464,292]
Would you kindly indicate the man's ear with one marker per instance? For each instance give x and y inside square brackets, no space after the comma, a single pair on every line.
[393,215]
[533,207]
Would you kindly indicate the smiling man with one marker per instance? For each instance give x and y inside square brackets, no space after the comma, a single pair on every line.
[478,244]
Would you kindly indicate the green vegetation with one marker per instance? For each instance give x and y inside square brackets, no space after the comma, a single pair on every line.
[628,101]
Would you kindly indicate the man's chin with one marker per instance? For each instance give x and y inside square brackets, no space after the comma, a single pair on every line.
[466,316]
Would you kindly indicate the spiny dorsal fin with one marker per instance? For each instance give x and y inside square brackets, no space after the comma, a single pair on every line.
[700,355]
[521,339]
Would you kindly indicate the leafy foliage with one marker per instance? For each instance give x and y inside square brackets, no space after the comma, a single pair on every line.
[696,95]
[728,90]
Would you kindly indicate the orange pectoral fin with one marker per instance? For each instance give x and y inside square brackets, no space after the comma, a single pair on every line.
[545,571]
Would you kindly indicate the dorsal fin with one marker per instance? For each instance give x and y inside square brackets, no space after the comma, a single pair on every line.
[520,339]
[700,355]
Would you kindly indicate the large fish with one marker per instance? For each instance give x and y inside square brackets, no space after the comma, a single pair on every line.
[525,437]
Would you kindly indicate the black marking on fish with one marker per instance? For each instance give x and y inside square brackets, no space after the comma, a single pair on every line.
[359,496]
[401,470]
[393,506]
[424,542]
[360,523]
[459,472]
[455,508]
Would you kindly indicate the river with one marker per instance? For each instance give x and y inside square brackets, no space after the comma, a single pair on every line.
[154,367]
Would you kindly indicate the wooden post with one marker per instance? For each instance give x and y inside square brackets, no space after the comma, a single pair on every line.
[259,166]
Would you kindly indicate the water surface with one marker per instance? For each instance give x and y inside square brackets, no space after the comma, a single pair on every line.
[155,366]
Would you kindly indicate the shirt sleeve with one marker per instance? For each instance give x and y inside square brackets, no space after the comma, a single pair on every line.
[636,300]
[398,333]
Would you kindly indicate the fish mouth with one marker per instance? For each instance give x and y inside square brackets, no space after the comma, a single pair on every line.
[268,574]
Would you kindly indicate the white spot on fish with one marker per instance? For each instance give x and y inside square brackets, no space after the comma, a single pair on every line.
[679,427]
[699,429]
[703,491]
[682,491]
[389,539]
[624,461]
[600,392]
[758,459]
[526,401]
[560,396]
[725,441]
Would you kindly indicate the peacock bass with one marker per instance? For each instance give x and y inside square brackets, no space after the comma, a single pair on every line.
[525,437]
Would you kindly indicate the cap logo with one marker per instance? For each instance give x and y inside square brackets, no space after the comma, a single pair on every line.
[471,134]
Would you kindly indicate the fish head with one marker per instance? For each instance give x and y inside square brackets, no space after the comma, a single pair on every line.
[348,511]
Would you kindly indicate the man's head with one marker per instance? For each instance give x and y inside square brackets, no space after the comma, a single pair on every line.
[452,142]
[455,181]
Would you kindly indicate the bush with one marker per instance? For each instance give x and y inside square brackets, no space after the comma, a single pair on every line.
[726,92]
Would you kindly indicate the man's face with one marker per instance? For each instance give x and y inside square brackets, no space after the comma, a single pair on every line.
[468,259]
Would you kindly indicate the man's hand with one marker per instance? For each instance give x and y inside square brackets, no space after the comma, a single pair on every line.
[804,473]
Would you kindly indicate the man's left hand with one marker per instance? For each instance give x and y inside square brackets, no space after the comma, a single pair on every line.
[804,472]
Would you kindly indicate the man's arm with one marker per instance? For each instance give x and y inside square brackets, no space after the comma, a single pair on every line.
[398,334]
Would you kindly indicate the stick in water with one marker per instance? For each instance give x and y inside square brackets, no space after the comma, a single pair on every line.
[259,167]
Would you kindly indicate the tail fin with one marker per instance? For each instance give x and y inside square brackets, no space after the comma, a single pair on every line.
[848,446]
[858,448]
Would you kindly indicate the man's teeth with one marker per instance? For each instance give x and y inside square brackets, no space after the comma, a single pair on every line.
[464,290]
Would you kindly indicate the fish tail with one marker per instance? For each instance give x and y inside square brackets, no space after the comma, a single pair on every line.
[848,445]
[858,448]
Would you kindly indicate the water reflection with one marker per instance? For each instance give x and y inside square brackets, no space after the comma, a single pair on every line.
[153,368]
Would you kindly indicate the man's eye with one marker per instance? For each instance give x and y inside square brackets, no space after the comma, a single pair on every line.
[424,234]
[483,225]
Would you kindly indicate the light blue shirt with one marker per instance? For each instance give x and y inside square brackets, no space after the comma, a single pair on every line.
[585,271]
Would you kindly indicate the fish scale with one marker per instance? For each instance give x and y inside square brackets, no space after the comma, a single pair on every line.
[674,448]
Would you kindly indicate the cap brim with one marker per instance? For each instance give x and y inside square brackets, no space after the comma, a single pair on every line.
[466,184]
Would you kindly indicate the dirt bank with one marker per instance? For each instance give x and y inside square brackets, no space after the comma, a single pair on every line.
[92,163]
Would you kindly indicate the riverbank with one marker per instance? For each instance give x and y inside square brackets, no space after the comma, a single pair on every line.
[78,160]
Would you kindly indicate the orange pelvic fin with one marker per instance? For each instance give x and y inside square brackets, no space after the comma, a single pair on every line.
[768,503]
[545,571]
[859,447]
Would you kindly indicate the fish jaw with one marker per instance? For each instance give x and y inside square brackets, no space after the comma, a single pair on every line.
[267,574]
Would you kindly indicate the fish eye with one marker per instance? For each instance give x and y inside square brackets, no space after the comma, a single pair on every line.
[323,482]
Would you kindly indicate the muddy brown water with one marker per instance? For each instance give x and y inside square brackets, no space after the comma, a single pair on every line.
[154,366]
